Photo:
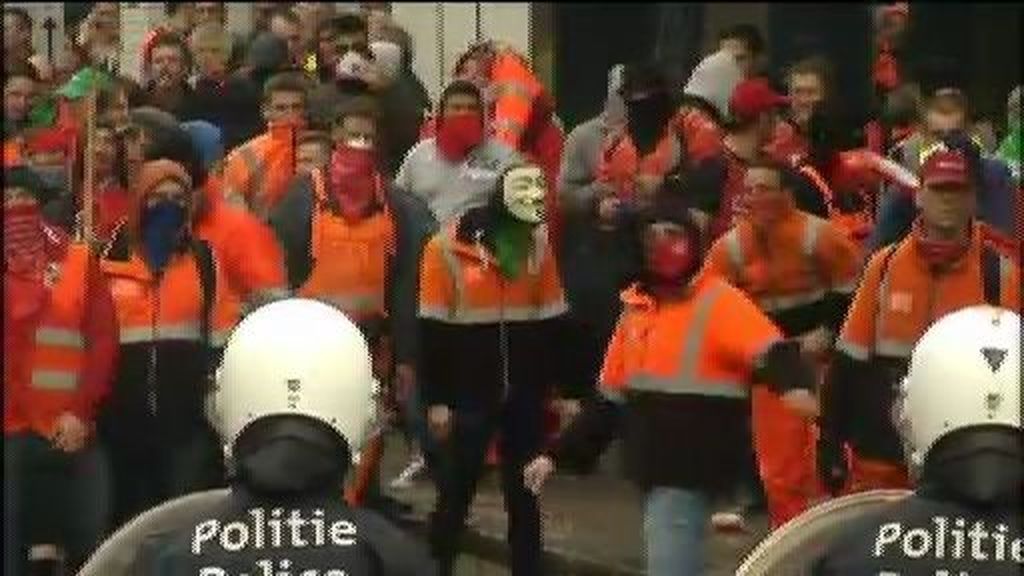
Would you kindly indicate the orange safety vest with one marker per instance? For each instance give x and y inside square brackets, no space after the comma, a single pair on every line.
[515,90]
[148,311]
[706,345]
[257,173]
[803,260]
[621,163]
[857,224]
[899,297]
[349,260]
[58,357]
[460,283]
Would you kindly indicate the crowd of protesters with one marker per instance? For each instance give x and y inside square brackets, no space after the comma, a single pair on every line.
[725,276]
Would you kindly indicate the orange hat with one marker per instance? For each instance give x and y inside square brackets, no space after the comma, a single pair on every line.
[154,172]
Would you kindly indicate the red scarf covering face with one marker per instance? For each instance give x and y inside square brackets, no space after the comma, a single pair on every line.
[25,259]
[24,240]
[354,181]
[457,135]
[939,253]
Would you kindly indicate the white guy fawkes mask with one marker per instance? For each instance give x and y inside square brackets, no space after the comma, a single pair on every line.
[523,194]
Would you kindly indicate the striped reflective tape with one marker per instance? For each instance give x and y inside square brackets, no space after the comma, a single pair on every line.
[894,348]
[855,351]
[789,301]
[353,302]
[58,380]
[686,381]
[184,331]
[495,315]
[49,336]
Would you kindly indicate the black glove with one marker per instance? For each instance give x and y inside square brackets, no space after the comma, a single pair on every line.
[833,468]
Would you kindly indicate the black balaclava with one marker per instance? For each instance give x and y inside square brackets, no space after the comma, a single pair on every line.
[649,105]
[983,466]
[290,455]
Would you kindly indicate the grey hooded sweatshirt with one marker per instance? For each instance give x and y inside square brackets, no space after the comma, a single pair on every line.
[595,264]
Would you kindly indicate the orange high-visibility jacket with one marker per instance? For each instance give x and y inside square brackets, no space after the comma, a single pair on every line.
[705,345]
[791,267]
[168,308]
[621,163]
[899,297]
[349,259]
[460,283]
[70,352]
[890,312]
[515,90]
[257,173]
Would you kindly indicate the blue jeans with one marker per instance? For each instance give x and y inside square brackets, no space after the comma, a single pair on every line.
[675,521]
[69,496]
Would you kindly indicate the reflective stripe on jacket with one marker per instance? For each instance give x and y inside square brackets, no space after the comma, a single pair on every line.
[257,173]
[349,259]
[857,224]
[797,264]
[705,345]
[59,353]
[460,283]
[891,311]
[167,308]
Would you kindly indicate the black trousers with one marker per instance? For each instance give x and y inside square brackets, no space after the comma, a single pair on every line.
[520,423]
[168,469]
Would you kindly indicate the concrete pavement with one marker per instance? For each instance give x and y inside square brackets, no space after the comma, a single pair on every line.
[592,524]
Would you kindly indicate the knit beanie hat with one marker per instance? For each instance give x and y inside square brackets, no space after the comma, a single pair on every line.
[154,172]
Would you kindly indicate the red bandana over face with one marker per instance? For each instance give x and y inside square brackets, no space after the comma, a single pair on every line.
[24,241]
[353,181]
[457,135]
[671,258]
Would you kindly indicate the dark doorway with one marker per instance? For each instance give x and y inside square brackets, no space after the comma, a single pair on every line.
[590,39]
[840,32]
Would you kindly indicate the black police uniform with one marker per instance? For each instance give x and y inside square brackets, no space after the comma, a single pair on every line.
[929,534]
[299,536]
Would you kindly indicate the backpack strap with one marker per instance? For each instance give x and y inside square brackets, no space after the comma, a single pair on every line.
[208,285]
[883,280]
[991,275]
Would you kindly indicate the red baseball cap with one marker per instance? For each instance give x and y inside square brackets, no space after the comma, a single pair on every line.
[945,167]
[753,97]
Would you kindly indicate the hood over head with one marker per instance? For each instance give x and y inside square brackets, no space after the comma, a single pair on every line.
[152,174]
[614,105]
[714,79]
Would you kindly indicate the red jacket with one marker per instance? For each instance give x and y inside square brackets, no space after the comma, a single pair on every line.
[37,409]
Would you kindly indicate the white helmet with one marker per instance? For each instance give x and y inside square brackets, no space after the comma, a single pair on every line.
[964,371]
[300,357]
